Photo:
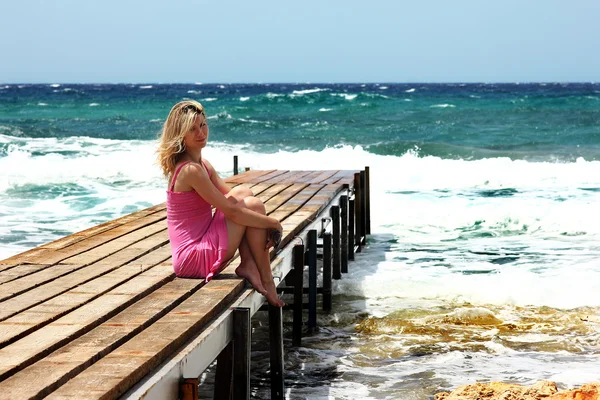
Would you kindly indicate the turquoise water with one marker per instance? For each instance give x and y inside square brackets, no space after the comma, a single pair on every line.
[484,258]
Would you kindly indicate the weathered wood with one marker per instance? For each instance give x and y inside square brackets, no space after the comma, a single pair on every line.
[245,177]
[81,276]
[43,341]
[288,177]
[280,199]
[51,372]
[341,177]
[265,178]
[29,320]
[41,255]
[318,177]
[20,271]
[8,266]
[115,373]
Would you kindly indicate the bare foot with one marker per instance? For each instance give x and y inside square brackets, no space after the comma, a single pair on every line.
[271,294]
[249,270]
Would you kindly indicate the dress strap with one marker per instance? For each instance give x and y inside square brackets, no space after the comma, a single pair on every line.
[175,175]
[205,167]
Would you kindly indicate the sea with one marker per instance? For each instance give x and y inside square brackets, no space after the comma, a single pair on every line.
[484,258]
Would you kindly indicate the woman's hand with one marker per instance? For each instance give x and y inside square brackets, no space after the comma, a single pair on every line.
[274,236]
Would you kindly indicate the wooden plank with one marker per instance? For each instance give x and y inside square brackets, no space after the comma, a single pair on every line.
[115,373]
[295,202]
[246,176]
[273,191]
[19,271]
[42,342]
[277,201]
[265,178]
[25,283]
[319,177]
[51,372]
[51,256]
[288,177]
[306,212]
[27,321]
[7,266]
[78,236]
[345,176]
[42,293]
[71,264]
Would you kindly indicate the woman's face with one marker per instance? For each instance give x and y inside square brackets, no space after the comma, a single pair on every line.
[197,137]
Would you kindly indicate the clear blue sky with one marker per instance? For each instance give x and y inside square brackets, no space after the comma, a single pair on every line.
[155,41]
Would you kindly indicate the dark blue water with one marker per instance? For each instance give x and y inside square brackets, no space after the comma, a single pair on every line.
[458,121]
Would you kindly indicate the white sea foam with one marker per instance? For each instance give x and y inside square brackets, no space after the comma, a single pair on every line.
[442,106]
[42,104]
[210,99]
[383,87]
[323,109]
[443,215]
[309,91]
[194,91]
[55,85]
[146,87]
[410,90]
[94,104]
[347,96]
[244,98]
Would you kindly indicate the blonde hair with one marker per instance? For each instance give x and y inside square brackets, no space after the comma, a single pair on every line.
[179,122]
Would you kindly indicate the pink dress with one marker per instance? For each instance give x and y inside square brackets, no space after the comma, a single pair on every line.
[198,239]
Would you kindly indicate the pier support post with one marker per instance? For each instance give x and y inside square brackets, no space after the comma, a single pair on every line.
[368,200]
[358,212]
[298,264]
[223,374]
[235,165]
[351,217]
[327,271]
[312,279]
[276,345]
[189,389]
[337,266]
[241,353]
[363,208]
[344,212]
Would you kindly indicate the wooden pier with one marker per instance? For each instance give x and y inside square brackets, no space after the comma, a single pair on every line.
[99,314]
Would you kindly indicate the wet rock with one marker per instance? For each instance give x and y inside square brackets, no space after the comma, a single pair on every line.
[543,390]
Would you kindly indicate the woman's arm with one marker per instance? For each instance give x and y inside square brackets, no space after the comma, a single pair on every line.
[216,179]
[195,175]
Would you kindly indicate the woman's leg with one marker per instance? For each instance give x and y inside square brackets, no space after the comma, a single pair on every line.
[257,241]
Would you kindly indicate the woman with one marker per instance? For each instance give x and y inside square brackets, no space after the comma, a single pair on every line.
[200,242]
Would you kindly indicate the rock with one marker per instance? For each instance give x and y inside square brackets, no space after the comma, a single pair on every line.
[543,390]
[589,391]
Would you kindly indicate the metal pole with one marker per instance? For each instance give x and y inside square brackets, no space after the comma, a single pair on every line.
[298,261]
[327,271]
[345,247]
[241,353]
[358,211]
[368,200]
[312,279]
[335,216]
[276,344]
[351,217]
[235,165]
